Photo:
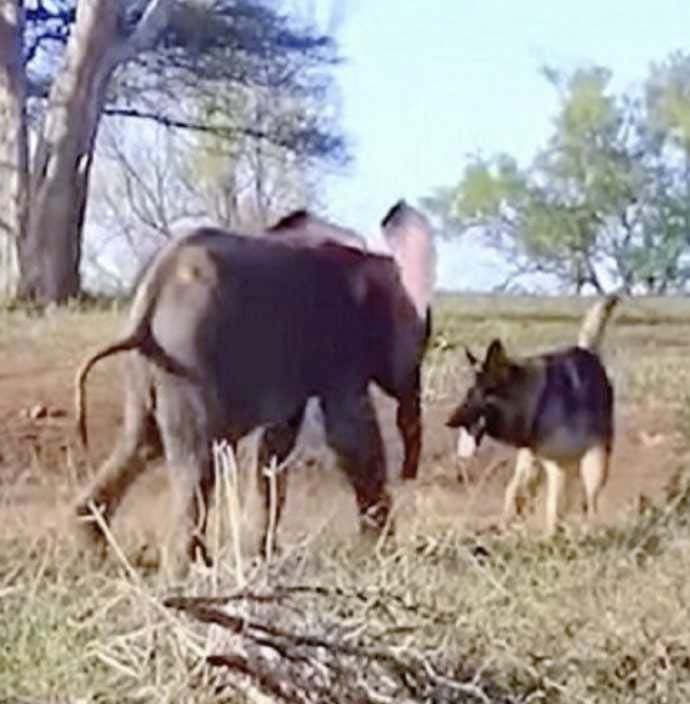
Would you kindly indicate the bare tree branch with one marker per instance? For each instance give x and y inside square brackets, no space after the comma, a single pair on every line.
[149,28]
[299,140]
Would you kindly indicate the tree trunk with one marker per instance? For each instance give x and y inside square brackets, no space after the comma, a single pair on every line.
[13,143]
[50,252]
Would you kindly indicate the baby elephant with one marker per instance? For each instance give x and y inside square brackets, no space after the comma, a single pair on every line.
[227,333]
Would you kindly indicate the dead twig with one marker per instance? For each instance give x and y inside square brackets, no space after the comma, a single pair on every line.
[291,664]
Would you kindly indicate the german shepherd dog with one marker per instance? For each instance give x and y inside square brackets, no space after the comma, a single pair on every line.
[557,408]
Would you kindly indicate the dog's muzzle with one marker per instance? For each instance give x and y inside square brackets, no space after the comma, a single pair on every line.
[470,438]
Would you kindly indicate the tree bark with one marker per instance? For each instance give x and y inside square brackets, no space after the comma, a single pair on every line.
[13,143]
[50,251]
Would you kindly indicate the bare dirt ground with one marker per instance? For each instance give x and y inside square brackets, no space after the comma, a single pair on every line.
[40,466]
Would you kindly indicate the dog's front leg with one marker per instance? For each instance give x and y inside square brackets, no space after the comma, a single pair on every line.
[520,482]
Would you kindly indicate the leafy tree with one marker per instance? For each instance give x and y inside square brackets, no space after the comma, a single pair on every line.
[605,201]
[65,64]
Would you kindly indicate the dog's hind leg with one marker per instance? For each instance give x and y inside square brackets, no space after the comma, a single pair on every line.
[594,468]
[277,441]
[353,432]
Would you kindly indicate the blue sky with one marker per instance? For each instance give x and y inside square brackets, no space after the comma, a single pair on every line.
[428,82]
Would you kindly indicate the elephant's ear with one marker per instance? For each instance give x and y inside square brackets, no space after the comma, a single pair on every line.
[410,238]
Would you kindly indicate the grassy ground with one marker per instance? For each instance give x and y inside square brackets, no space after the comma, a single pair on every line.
[445,612]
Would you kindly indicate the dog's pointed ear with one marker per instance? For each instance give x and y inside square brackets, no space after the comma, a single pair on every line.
[474,362]
[496,359]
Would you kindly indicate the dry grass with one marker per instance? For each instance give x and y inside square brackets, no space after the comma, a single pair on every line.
[440,614]
[596,619]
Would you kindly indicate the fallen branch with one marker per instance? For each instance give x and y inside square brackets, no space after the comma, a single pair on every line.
[352,663]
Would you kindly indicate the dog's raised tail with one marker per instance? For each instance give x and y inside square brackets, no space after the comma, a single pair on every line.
[594,323]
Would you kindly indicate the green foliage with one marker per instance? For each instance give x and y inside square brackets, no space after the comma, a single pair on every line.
[490,190]
[606,201]
[668,96]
